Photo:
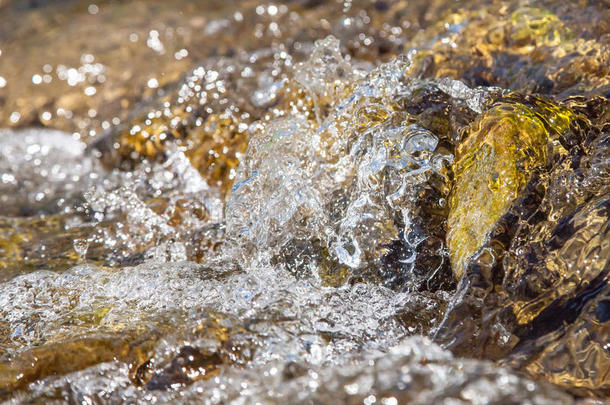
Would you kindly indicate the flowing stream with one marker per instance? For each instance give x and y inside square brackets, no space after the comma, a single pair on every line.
[304,202]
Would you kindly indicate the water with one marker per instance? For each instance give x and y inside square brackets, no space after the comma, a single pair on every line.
[352,202]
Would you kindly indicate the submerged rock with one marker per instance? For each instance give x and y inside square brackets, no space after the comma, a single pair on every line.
[534,294]
[68,356]
[414,371]
[502,151]
[547,47]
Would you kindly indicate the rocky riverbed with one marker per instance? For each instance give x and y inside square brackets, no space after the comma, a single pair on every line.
[376,202]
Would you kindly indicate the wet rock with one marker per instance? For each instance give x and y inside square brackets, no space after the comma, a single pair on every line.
[554,48]
[534,294]
[68,356]
[501,152]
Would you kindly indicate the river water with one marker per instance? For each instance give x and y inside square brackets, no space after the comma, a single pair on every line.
[375,202]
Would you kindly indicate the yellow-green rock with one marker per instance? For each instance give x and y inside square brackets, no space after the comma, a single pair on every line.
[492,167]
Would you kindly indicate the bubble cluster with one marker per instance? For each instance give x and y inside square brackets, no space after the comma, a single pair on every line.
[43,171]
